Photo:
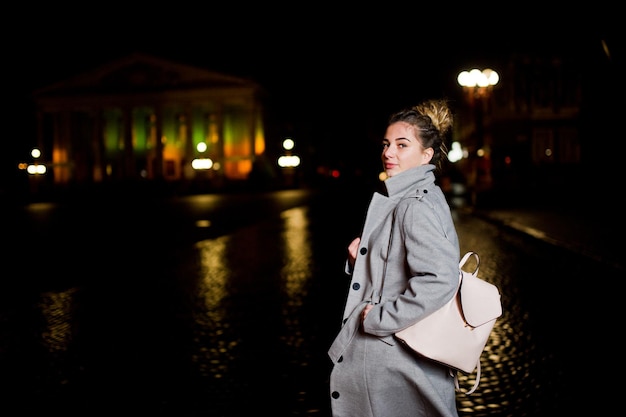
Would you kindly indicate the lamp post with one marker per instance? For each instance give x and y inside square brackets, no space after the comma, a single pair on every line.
[289,162]
[478,85]
[35,170]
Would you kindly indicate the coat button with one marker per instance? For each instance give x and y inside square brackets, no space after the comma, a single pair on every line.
[363,251]
[335,395]
[356,286]
[425,191]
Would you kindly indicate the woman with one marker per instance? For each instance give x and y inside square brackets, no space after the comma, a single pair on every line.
[410,238]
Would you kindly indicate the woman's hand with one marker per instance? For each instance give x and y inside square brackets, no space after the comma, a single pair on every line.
[353,250]
[366,310]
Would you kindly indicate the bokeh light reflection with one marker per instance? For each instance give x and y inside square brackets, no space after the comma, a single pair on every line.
[56,309]
[212,358]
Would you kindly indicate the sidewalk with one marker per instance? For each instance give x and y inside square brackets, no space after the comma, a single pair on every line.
[588,227]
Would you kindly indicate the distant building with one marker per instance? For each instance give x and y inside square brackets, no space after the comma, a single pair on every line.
[531,123]
[537,115]
[142,118]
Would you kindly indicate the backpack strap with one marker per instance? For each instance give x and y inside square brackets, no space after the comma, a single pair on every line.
[455,374]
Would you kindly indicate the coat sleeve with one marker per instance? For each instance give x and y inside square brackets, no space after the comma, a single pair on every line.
[422,270]
[347,268]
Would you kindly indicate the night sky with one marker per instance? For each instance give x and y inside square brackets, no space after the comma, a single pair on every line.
[335,74]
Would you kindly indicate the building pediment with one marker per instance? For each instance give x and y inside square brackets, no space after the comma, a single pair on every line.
[141,73]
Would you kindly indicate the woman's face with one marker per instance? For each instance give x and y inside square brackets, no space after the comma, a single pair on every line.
[402,150]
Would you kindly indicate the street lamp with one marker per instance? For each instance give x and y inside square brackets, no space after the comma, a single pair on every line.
[36,168]
[288,162]
[478,80]
[478,85]
[202,163]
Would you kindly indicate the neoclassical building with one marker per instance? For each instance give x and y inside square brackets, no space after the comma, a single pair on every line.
[143,118]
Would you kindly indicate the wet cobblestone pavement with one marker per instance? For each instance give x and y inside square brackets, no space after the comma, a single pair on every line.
[228,309]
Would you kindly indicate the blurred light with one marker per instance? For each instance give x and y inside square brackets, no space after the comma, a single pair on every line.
[288,161]
[203,223]
[202,163]
[57,309]
[288,144]
[35,153]
[605,48]
[298,253]
[456,153]
[491,76]
[478,78]
[201,147]
[36,169]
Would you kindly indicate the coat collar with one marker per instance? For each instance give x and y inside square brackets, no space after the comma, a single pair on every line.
[410,181]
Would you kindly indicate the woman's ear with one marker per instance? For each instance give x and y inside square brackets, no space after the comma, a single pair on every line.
[427,155]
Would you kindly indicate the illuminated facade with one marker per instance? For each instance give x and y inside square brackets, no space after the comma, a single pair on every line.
[144,118]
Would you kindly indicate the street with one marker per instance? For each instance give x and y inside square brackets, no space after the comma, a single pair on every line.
[218,305]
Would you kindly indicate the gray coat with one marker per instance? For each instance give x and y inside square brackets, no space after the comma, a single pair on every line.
[373,374]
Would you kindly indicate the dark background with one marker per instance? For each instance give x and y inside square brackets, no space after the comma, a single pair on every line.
[332,72]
